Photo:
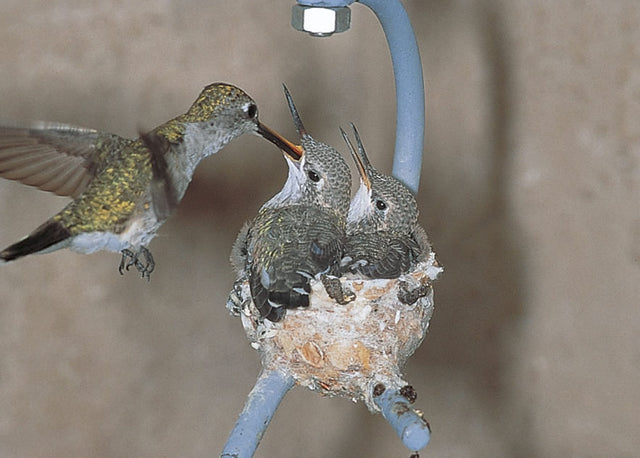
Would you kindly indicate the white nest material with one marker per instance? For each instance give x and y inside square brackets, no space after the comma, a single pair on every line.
[346,349]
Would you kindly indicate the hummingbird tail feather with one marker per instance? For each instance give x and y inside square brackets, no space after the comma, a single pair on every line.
[47,235]
[271,302]
[260,295]
[293,297]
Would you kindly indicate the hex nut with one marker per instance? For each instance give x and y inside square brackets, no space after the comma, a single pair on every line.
[320,21]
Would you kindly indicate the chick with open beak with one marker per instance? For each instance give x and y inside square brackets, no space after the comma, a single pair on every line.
[298,233]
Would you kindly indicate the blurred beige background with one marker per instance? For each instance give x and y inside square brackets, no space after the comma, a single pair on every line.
[530,191]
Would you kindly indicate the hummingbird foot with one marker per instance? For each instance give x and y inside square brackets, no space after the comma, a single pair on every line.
[131,258]
[125,254]
[409,294]
[334,289]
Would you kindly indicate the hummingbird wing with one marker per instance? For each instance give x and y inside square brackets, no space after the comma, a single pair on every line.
[287,248]
[163,192]
[382,254]
[54,157]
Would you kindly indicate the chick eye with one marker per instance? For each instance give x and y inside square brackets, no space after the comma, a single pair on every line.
[252,111]
[313,176]
[381,205]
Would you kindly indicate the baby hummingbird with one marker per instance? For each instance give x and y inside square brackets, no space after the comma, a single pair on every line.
[122,189]
[384,239]
[299,233]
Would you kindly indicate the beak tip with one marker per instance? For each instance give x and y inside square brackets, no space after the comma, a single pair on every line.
[293,151]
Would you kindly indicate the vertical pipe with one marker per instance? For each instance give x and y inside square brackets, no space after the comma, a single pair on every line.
[407,70]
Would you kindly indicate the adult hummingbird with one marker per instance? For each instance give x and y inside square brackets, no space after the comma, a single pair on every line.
[298,233]
[122,189]
[384,239]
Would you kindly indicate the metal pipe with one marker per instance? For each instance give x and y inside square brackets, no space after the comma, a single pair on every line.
[407,69]
[262,402]
[408,424]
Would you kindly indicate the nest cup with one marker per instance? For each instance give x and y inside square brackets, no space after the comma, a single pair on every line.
[346,350]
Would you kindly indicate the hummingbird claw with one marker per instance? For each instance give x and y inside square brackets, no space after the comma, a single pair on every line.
[334,289]
[125,255]
[409,294]
[130,258]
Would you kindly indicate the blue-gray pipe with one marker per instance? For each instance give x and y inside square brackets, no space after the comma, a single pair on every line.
[407,69]
[261,404]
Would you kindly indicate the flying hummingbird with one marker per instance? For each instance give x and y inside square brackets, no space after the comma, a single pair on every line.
[299,233]
[384,239]
[122,189]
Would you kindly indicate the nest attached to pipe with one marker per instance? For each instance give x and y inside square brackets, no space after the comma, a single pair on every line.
[346,349]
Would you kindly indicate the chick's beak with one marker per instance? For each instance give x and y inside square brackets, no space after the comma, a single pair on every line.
[293,151]
[362,171]
[361,162]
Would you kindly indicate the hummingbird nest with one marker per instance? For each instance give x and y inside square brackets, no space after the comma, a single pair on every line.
[351,349]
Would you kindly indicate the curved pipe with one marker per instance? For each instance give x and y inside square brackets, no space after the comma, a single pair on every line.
[407,70]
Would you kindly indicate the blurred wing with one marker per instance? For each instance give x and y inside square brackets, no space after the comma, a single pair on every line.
[54,157]
[163,193]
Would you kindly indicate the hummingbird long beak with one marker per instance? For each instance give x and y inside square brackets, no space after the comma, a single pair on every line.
[360,157]
[293,151]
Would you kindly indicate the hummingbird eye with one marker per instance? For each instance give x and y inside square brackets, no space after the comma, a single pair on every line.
[313,176]
[252,111]
[381,205]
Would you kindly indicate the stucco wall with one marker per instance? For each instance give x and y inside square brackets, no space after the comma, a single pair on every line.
[530,191]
